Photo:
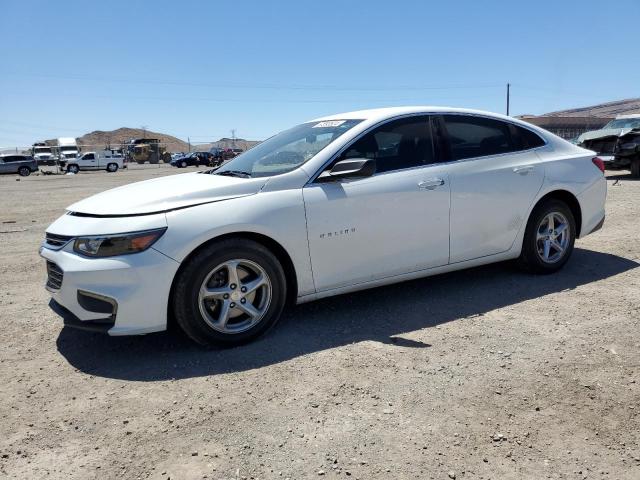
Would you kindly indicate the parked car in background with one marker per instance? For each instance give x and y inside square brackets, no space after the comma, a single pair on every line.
[194,159]
[23,165]
[331,206]
[223,154]
[100,160]
[617,143]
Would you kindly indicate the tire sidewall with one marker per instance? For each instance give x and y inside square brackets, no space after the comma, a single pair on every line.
[185,298]
[73,169]
[112,167]
[529,249]
[24,171]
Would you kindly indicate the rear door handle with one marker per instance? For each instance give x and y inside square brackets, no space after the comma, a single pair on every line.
[523,170]
[430,184]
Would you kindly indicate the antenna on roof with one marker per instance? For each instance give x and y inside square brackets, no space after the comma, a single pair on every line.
[508,92]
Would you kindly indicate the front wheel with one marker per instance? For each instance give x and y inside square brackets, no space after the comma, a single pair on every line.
[230,292]
[24,171]
[183,164]
[73,169]
[549,238]
[112,167]
[635,167]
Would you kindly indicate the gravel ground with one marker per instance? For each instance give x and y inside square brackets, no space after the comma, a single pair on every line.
[487,373]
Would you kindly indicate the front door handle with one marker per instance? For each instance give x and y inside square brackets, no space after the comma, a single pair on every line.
[430,184]
[523,170]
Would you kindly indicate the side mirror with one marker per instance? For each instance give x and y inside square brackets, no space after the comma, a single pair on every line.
[351,168]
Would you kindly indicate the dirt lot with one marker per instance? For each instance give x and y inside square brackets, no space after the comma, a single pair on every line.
[488,373]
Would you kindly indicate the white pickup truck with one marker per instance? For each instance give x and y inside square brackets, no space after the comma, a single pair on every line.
[101,160]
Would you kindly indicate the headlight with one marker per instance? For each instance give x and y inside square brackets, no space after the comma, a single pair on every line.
[119,244]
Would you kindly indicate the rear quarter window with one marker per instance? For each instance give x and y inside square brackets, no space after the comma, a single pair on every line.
[526,138]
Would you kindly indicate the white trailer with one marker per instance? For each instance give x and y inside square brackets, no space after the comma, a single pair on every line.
[67,149]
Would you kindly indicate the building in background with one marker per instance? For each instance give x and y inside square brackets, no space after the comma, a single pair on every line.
[569,124]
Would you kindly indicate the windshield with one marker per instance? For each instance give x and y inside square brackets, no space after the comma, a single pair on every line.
[68,148]
[624,123]
[288,150]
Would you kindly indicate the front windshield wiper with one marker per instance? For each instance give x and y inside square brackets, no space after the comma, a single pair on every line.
[234,173]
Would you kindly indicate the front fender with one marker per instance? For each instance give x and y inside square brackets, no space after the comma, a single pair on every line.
[278,215]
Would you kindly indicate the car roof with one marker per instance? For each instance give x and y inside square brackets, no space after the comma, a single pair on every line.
[390,112]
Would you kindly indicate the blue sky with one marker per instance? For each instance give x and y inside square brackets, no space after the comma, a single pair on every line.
[199,69]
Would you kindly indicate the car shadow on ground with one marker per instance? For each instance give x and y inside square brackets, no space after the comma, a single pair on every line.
[380,314]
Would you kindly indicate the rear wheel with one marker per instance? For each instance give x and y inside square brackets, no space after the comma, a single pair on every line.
[229,293]
[24,171]
[183,164]
[112,167]
[549,238]
[635,167]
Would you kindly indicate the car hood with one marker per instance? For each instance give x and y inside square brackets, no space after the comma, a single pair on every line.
[167,193]
[605,132]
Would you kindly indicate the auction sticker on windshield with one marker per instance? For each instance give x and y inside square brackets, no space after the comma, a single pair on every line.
[329,123]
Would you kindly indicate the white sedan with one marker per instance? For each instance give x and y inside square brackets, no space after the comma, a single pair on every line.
[334,205]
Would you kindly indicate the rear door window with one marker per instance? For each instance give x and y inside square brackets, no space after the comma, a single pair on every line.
[470,136]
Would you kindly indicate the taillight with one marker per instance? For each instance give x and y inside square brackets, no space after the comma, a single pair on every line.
[598,162]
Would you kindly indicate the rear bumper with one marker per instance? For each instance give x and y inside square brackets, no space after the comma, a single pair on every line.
[592,201]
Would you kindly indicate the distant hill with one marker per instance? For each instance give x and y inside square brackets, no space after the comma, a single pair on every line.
[100,139]
[226,143]
[605,110]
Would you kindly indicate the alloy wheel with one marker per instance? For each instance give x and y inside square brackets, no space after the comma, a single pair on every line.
[235,296]
[552,237]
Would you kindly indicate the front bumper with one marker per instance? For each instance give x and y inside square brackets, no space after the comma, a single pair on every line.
[136,287]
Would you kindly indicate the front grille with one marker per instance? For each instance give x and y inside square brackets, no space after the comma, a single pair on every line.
[55,242]
[55,275]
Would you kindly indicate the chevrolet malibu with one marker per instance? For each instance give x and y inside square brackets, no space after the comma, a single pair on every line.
[337,204]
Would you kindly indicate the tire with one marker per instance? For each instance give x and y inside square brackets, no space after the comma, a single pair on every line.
[112,167]
[635,167]
[200,318]
[24,171]
[532,257]
[73,168]
[183,164]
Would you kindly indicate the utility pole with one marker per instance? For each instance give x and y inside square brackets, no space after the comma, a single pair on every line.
[189,142]
[508,94]
[144,130]
[233,138]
